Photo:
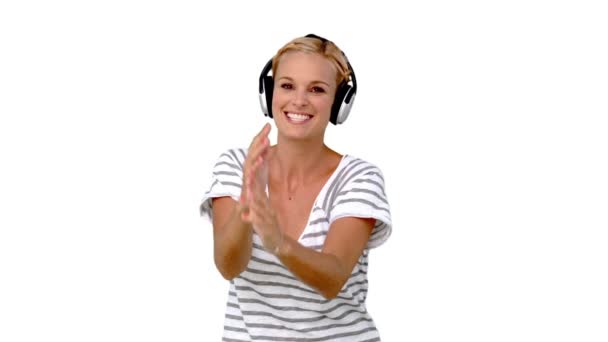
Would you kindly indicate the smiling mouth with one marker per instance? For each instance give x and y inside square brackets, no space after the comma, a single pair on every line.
[297,118]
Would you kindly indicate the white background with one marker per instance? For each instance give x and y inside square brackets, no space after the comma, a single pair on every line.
[488,120]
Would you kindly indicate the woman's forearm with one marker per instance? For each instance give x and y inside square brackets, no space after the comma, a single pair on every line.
[321,271]
[232,245]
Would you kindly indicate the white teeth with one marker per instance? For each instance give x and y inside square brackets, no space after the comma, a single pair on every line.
[298,117]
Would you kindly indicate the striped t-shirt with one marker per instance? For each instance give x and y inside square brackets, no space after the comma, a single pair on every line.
[266,302]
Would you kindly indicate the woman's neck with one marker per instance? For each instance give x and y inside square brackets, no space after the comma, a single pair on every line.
[298,162]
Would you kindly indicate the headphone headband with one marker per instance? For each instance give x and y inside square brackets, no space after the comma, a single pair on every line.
[312,35]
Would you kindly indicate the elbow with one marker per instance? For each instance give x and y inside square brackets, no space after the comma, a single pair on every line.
[332,290]
[329,295]
[230,268]
[229,271]
[228,275]
[231,264]
[334,284]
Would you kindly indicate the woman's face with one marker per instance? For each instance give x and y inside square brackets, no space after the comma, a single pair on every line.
[304,90]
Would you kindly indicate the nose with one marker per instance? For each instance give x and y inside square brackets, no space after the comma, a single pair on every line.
[300,98]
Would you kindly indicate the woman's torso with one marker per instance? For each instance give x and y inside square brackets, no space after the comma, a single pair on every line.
[267,302]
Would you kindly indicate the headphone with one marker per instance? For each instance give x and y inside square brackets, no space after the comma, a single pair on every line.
[345,94]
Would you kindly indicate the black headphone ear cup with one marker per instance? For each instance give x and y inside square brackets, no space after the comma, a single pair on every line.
[337,110]
[268,89]
[347,104]
[266,86]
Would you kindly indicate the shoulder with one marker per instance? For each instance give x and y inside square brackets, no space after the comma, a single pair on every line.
[360,193]
[226,179]
[228,166]
[357,182]
[232,157]
[355,170]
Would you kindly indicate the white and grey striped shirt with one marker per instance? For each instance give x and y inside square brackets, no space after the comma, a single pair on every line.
[266,302]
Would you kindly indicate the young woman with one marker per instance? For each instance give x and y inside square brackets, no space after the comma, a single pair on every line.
[293,223]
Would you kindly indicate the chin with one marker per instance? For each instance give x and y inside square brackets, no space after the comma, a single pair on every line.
[298,128]
[290,133]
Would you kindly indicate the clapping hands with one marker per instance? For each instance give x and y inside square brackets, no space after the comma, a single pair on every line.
[254,201]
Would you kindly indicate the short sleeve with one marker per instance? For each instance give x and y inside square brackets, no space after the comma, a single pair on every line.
[363,195]
[226,179]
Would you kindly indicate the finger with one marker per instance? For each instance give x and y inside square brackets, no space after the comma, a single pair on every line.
[241,205]
[251,180]
[261,135]
[260,219]
[254,173]
[246,217]
[265,153]
[259,200]
[253,196]
[260,216]
[253,156]
[266,129]
[254,216]
[268,154]
[258,148]
[259,143]
[249,170]
[242,208]
[256,197]
[262,158]
[255,165]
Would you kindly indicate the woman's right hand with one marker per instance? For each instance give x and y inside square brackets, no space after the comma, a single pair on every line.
[255,158]
[232,232]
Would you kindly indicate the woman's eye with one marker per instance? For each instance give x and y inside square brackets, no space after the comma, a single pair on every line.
[286,86]
[318,90]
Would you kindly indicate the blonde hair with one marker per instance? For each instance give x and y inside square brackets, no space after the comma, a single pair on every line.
[325,48]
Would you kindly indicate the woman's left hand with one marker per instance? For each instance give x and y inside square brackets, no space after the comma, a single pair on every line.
[264,221]
[261,215]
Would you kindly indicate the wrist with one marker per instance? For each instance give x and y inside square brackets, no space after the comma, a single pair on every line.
[278,247]
[274,245]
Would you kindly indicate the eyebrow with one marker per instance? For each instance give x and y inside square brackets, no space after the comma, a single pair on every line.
[313,82]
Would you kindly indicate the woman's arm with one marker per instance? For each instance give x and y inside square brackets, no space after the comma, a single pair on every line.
[232,238]
[327,271]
